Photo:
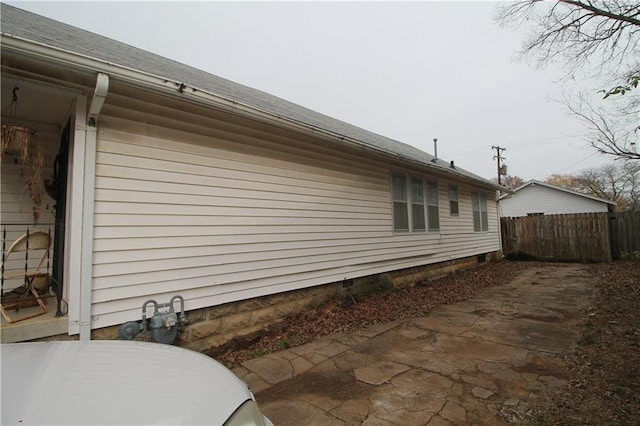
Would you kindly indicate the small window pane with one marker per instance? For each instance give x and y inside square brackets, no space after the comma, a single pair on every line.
[480,216]
[434,218]
[453,201]
[417,205]
[433,213]
[476,221]
[483,210]
[399,188]
[400,207]
[417,195]
[400,217]
[418,217]
[432,193]
[475,207]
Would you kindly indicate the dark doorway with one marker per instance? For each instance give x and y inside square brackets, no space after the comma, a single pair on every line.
[60,169]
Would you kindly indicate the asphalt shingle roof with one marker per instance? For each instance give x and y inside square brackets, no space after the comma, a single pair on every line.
[21,24]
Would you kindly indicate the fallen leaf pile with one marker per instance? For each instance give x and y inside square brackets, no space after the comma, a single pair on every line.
[333,317]
[604,387]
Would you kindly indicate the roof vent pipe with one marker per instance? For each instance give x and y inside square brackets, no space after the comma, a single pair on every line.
[435,150]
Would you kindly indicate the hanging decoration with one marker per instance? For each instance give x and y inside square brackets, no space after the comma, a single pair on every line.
[19,143]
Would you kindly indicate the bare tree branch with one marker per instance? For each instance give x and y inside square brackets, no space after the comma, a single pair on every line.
[601,12]
[612,130]
[598,38]
[575,32]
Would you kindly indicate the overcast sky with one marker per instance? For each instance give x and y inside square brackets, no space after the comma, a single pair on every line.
[410,71]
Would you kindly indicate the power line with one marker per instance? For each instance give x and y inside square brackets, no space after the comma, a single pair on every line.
[552,138]
[578,162]
[530,143]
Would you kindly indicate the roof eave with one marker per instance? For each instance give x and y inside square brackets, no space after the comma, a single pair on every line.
[203,97]
[559,188]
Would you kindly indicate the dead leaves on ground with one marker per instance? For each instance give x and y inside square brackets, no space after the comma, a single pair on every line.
[332,317]
[605,369]
[604,382]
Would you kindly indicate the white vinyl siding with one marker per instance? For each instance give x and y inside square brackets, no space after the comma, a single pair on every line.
[216,225]
[541,199]
[226,212]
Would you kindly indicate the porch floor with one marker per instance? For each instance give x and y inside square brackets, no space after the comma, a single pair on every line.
[44,325]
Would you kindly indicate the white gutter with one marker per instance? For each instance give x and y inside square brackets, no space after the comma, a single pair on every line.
[88,199]
[177,89]
[202,97]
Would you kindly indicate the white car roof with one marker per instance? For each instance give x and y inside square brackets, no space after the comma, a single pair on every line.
[115,382]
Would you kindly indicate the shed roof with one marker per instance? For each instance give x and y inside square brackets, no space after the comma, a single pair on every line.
[42,31]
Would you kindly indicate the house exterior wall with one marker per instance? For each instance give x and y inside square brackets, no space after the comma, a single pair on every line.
[218,209]
[213,326]
[540,199]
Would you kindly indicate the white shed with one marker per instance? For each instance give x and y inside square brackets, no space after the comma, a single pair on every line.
[536,198]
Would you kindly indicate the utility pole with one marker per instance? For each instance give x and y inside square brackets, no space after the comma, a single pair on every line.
[499,158]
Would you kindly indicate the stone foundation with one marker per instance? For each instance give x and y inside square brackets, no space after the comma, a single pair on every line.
[214,326]
[411,276]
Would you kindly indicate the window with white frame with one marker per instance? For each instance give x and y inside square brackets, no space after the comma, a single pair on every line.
[454,208]
[415,204]
[480,216]
[400,203]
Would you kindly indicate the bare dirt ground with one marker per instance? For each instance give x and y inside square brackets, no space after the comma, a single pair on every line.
[604,371]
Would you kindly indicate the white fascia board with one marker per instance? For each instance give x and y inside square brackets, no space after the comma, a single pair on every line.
[179,90]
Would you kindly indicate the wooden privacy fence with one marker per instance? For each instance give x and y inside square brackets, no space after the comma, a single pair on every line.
[583,237]
[625,234]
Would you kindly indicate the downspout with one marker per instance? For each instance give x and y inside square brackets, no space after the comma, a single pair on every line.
[88,199]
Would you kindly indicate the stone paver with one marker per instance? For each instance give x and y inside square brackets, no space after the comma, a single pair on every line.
[481,393]
[481,361]
[379,373]
[272,368]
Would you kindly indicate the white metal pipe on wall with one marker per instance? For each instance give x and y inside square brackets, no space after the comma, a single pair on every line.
[88,198]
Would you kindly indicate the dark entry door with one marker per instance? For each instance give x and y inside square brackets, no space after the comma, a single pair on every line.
[61,172]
